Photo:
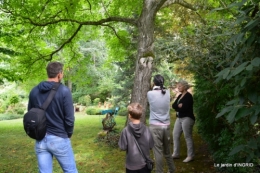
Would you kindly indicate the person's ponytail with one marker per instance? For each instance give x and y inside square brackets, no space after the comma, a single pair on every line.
[159,81]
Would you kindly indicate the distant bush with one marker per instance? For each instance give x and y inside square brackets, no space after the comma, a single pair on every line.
[76,96]
[19,111]
[96,101]
[3,96]
[93,111]
[10,116]
[2,110]
[85,100]
[122,111]
[2,106]
[14,99]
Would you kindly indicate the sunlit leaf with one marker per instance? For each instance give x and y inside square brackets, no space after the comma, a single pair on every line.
[226,73]
[256,62]
[242,83]
[224,110]
[236,150]
[232,114]
[249,67]
[232,102]
[252,24]
[252,144]
[252,96]
[242,112]
[239,69]
[249,157]
[253,119]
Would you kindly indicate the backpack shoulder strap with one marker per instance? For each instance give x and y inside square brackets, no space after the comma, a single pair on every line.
[50,96]
[138,146]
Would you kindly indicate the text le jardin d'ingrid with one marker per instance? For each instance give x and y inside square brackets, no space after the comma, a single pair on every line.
[227,165]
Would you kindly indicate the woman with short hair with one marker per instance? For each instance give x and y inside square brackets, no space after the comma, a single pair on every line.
[183,106]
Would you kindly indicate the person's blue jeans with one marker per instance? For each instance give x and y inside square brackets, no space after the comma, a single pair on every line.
[58,147]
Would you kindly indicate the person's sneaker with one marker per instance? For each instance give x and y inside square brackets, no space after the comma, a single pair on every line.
[175,156]
[188,159]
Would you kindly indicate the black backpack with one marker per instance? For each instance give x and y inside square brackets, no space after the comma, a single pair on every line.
[34,121]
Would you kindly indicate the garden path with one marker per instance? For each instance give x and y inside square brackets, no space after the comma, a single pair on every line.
[202,163]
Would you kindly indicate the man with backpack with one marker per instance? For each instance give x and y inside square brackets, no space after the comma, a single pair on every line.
[59,122]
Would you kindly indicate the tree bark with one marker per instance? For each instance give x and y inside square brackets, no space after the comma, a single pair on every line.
[145,53]
[70,85]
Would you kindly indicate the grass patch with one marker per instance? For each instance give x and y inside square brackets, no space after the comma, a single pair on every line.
[17,149]
[91,154]
[10,116]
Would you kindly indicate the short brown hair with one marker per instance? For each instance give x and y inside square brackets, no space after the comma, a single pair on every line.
[53,69]
[135,110]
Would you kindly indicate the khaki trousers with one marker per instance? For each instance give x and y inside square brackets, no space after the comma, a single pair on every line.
[161,149]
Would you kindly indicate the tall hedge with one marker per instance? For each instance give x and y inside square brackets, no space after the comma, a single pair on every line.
[223,57]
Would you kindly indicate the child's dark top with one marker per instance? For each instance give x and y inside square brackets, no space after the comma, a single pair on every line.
[134,159]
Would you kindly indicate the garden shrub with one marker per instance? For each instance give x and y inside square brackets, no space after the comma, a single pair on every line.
[75,97]
[2,109]
[19,111]
[8,116]
[222,136]
[2,106]
[85,100]
[93,111]
[4,96]
[96,101]
[226,94]
[14,99]
[221,115]
[122,111]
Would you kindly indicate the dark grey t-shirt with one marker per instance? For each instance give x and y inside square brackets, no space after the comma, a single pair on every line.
[134,159]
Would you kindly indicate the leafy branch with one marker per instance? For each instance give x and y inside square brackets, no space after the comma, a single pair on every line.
[99,22]
[180,2]
[184,4]
[66,42]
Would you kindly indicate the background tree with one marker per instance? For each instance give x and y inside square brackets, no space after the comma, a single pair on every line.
[51,26]
[7,71]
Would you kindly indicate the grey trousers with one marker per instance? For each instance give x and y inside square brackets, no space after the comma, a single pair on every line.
[161,149]
[184,125]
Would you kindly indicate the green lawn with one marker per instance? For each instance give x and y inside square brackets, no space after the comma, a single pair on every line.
[17,150]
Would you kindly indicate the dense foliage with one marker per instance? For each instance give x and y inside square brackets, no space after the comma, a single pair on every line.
[223,57]
[213,44]
[243,69]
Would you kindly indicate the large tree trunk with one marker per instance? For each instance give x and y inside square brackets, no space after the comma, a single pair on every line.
[145,53]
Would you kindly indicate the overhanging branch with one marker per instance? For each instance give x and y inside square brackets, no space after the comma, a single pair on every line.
[180,2]
[66,42]
[114,30]
[50,56]
[184,4]
[99,22]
